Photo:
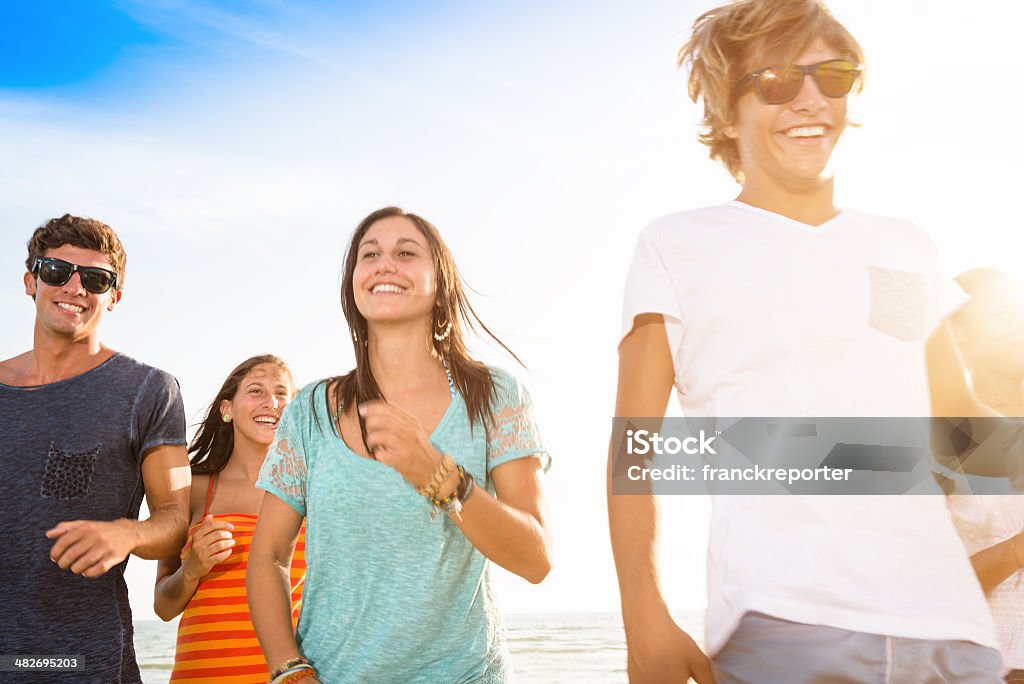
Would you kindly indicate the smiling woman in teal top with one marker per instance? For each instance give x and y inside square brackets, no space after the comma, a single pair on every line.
[414,472]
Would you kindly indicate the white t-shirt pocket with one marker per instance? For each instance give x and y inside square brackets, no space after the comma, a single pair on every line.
[899,303]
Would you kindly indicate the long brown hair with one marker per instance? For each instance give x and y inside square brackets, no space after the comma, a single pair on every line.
[472,379]
[211,447]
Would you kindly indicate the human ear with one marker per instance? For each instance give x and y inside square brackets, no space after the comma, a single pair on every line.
[30,284]
[115,297]
[225,410]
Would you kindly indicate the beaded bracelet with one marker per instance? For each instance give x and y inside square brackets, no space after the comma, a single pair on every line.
[463,490]
[444,470]
[295,674]
[450,504]
[454,502]
[289,664]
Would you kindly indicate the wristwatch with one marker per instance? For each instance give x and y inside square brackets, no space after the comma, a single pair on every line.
[466,485]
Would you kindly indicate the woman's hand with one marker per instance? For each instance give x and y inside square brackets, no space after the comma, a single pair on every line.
[211,544]
[397,439]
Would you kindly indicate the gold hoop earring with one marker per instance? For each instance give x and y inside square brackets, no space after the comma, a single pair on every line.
[442,336]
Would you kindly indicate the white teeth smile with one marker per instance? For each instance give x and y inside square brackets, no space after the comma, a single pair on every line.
[805,132]
[71,307]
[387,287]
[266,420]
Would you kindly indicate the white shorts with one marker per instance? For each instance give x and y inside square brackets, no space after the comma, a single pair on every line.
[769,650]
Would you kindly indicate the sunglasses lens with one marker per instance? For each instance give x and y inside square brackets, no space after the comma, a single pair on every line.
[836,79]
[55,272]
[96,281]
[777,86]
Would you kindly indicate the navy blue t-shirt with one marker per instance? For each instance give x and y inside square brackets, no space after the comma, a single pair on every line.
[72,450]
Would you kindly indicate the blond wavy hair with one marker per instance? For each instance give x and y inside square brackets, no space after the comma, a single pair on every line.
[734,40]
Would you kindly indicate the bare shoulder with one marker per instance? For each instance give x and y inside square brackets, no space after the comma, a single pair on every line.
[14,371]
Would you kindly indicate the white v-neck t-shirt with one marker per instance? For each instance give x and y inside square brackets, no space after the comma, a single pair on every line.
[767,316]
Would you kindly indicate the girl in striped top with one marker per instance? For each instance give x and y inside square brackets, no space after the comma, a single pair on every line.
[216,642]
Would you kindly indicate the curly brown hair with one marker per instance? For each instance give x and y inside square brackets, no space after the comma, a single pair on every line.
[737,39]
[86,233]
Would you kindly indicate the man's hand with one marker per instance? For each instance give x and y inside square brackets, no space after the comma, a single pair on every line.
[667,654]
[90,547]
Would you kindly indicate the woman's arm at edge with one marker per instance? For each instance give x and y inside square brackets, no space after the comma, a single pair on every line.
[267,579]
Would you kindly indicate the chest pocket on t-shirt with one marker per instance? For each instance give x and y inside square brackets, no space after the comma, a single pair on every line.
[899,303]
[67,475]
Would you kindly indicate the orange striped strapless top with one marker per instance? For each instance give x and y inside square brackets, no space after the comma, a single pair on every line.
[216,640]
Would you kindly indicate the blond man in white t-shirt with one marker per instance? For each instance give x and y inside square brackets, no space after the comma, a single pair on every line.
[781,304]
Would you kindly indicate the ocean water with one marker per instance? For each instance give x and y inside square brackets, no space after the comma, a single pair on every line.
[547,648]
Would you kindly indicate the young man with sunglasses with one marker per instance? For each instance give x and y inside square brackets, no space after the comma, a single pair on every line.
[781,304]
[86,432]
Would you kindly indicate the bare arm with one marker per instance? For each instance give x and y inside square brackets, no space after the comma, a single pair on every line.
[172,592]
[951,393]
[90,547]
[168,599]
[511,529]
[177,581]
[167,478]
[267,580]
[659,651]
[996,435]
[999,562]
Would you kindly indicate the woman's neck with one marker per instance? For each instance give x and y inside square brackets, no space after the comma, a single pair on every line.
[402,358]
[246,459]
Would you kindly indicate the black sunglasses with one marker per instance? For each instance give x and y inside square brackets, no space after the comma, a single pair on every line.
[834,77]
[53,271]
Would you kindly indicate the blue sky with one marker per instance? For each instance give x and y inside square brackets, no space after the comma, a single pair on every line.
[88,48]
[235,146]
[54,43]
